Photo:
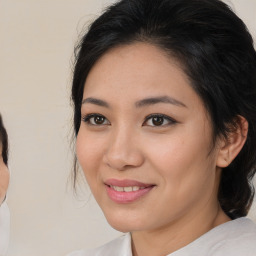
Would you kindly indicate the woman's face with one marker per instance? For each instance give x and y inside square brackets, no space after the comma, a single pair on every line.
[145,141]
[4,176]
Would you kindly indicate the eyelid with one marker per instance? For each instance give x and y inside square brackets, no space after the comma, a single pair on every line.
[170,120]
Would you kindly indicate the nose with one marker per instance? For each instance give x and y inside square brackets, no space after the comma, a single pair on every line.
[123,151]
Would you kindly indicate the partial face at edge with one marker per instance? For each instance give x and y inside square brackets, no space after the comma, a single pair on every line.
[145,129]
[4,176]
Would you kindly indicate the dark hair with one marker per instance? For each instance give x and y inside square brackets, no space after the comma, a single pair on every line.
[4,141]
[216,52]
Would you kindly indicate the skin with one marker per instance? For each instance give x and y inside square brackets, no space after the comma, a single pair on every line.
[176,156]
[4,177]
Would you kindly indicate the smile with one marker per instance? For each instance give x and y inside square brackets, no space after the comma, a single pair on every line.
[126,191]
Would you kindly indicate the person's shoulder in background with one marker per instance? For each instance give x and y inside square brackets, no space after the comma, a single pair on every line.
[4,228]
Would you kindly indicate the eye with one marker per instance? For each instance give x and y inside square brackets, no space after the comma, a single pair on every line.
[95,119]
[158,120]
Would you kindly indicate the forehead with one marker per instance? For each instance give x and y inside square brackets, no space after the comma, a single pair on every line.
[132,62]
[138,70]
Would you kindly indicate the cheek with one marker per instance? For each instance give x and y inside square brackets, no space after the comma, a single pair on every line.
[181,160]
[185,173]
[168,152]
[89,152]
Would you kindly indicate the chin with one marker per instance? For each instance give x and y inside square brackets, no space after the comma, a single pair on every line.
[125,224]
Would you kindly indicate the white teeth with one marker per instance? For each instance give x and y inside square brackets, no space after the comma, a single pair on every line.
[135,188]
[119,189]
[126,189]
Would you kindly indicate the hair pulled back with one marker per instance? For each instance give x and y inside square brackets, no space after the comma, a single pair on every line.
[216,52]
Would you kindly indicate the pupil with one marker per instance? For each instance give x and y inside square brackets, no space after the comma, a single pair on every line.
[99,119]
[157,120]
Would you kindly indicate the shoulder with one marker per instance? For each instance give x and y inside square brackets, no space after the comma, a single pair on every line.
[240,239]
[236,238]
[4,212]
[117,247]
[4,228]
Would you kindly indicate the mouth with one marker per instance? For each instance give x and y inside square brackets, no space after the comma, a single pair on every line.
[126,191]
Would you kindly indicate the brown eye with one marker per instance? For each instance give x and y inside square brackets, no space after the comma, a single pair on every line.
[99,120]
[95,119]
[157,120]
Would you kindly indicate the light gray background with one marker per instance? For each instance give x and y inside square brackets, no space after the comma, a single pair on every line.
[36,46]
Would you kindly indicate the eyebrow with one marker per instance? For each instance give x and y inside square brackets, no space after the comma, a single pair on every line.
[161,99]
[95,101]
[140,103]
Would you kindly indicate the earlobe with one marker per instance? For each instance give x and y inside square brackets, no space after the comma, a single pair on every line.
[230,147]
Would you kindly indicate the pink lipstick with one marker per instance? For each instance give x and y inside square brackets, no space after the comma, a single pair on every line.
[126,191]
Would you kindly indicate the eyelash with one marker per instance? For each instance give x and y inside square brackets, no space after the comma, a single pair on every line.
[169,120]
[87,119]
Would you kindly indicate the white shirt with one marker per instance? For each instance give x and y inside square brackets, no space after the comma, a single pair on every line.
[233,238]
[4,228]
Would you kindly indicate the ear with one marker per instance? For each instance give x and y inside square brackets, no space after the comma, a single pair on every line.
[230,147]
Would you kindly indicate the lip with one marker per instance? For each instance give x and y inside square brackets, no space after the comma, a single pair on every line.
[122,197]
[126,183]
